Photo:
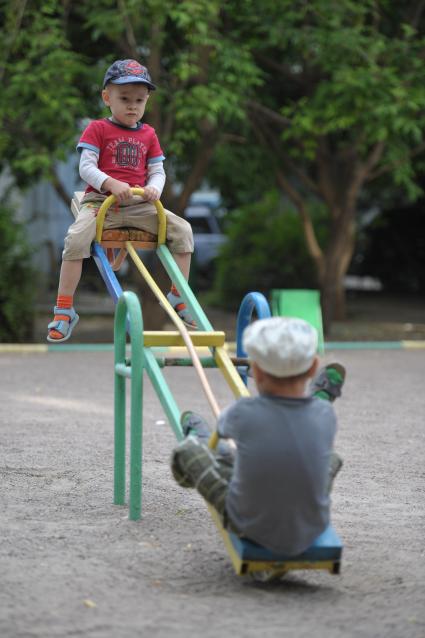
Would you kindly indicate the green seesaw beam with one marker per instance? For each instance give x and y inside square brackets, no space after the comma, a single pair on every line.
[141,358]
[220,355]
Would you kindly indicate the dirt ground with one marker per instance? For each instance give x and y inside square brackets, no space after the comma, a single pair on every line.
[72,564]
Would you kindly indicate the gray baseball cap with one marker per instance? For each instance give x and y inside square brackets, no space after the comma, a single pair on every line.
[128,72]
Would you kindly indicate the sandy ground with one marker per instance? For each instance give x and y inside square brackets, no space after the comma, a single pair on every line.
[72,564]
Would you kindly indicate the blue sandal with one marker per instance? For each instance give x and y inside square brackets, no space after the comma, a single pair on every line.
[180,308]
[62,325]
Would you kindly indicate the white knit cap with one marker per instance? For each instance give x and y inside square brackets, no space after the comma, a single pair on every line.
[281,346]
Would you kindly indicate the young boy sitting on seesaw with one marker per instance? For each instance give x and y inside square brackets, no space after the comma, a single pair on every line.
[119,153]
[274,489]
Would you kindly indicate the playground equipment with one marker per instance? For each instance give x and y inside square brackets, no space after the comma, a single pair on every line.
[304,304]
[247,557]
[253,301]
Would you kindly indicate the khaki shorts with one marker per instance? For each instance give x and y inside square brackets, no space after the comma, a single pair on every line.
[141,215]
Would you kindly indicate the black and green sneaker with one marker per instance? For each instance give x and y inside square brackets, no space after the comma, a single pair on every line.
[195,425]
[328,383]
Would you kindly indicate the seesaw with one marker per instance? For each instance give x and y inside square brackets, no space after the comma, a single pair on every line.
[246,556]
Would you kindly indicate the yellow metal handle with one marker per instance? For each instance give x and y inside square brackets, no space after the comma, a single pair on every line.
[213,440]
[162,220]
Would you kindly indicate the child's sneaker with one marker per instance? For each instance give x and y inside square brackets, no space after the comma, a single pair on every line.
[194,424]
[328,382]
[180,307]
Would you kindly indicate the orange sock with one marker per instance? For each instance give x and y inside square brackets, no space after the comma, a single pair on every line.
[174,291]
[66,302]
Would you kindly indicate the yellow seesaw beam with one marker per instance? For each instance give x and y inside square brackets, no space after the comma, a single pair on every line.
[184,334]
[153,338]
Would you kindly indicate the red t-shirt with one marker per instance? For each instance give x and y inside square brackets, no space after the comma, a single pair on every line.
[124,153]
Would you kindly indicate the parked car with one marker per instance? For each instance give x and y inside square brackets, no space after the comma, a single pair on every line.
[207,233]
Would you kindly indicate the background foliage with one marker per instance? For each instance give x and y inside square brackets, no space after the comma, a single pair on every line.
[17,280]
[324,101]
[265,250]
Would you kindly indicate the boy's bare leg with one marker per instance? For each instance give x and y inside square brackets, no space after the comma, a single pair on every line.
[70,276]
[183,262]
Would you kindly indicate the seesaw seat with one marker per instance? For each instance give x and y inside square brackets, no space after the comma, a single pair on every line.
[116,238]
[249,558]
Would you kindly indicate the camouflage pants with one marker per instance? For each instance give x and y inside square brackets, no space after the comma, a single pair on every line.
[194,464]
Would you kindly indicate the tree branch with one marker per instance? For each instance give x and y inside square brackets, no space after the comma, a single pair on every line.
[374,157]
[269,113]
[360,174]
[416,13]
[154,64]
[309,233]
[199,168]
[129,32]
[325,178]
[392,165]
[233,138]
[269,140]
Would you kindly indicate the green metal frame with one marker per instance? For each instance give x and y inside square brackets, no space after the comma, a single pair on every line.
[129,313]
[183,287]
[128,306]
[221,357]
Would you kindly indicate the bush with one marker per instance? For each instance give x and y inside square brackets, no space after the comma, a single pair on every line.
[17,290]
[265,250]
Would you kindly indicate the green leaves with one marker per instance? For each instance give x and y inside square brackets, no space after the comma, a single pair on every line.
[352,72]
[357,76]
[17,283]
[40,100]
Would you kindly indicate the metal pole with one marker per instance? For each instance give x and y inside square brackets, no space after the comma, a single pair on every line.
[129,304]
[119,403]
[252,301]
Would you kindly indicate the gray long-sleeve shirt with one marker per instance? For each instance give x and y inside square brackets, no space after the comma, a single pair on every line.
[278,493]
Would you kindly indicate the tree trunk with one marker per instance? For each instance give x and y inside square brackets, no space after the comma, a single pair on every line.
[337,259]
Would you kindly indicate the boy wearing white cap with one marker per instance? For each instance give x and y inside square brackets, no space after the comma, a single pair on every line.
[275,491]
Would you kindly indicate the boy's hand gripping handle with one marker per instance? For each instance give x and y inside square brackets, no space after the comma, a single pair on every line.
[162,220]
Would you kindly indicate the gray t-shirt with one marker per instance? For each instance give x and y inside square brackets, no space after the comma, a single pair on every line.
[278,493]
